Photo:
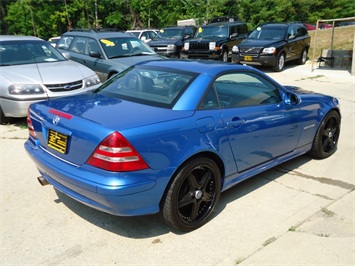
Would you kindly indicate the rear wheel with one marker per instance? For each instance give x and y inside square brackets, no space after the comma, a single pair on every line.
[280,63]
[326,140]
[303,58]
[193,194]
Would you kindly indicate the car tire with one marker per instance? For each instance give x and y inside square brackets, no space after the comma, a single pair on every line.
[3,118]
[192,195]
[326,139]
[303,58]
[225,56]
[280,63]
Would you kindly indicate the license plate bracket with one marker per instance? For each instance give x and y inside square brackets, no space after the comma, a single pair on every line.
[57,141]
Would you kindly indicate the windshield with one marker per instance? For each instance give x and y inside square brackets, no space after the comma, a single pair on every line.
[148,85]
[268,33]
[218,31]
[122,47]
[28,52]
[169,33]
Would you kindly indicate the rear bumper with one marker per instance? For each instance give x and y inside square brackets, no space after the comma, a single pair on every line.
[122,194]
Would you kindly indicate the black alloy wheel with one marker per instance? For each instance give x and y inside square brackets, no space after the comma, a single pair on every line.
[326,140]
[193,194]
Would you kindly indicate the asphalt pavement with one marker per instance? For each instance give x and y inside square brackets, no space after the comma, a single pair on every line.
[299,213]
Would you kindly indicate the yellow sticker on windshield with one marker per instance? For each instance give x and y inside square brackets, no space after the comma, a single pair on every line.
[199,29]
[161,30]
[107,42]
[258,28]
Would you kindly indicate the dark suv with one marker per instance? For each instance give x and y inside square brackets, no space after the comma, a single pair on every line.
[273,44]
[107,52]
[169,41]
[215,41]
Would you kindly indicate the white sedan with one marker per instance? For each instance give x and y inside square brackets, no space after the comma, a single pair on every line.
[31,70]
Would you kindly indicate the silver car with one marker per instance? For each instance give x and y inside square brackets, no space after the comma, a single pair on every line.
[31,70]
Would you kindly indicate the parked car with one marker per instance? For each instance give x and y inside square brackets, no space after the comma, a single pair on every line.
[310,26]
[31,70]
[54,40]
[273,44]
[144,35]
[107,52]
[171,135]
[215,41]
[169,41]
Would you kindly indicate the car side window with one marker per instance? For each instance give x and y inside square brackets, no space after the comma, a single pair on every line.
[240,90]
[79,45]
[65,42]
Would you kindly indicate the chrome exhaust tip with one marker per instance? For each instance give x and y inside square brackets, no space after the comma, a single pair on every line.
[42,181]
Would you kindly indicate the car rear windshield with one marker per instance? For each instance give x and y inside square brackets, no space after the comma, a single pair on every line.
[27,52]
[148,85]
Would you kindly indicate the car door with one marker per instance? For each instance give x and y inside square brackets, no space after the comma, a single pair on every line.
[259,125]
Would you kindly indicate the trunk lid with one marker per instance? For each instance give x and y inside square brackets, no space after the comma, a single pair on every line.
[71,128]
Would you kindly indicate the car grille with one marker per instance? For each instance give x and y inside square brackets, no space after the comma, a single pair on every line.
[65,86]
[199,46]
[250,50]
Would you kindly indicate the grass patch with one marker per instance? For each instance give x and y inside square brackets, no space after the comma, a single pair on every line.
[269,241]
[327,213]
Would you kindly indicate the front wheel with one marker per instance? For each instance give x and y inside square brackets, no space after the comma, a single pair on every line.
[326,139]
[225,56]
[193,194]
[280,63]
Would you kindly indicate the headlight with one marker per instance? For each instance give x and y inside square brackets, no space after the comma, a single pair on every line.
[212,45]
[186,46]
[269,50]
[91,81]
[235,49]
[171,47]
[25,89]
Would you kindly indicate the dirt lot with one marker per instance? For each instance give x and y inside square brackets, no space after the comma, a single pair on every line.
[299,213]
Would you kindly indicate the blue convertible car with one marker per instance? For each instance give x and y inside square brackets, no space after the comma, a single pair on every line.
[171,135]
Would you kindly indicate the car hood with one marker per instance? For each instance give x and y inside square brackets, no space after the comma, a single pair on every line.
[95,108]
[46,73]
[260,43]
[163,41]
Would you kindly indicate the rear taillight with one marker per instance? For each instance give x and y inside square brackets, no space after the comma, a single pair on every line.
[30,127]
[116,154]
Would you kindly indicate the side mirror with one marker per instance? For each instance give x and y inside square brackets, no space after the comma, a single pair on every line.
[291,37]
[66,55]
[95,54]
[292,99]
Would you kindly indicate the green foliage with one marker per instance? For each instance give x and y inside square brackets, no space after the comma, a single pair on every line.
[47,18]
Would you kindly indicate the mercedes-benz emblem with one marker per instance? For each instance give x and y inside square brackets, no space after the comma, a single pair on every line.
[56,120]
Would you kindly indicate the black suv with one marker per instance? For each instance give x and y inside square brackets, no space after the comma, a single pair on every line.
[215,41]
[105,51]
[169,41]
[273,44]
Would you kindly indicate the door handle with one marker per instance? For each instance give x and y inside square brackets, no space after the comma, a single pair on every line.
[236,122]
